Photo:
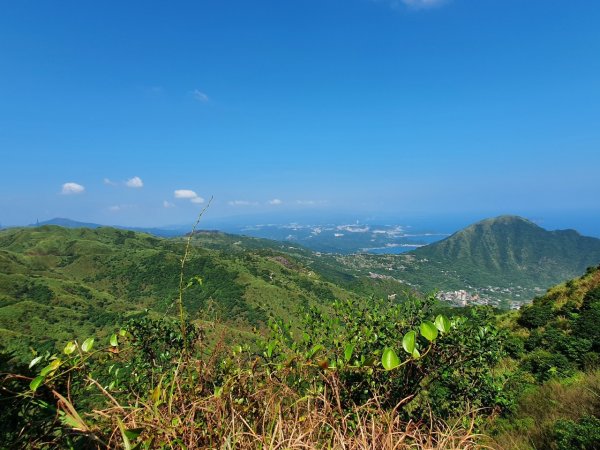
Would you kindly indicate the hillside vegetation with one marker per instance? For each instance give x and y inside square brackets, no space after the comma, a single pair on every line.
[58,283]
[554,346]
[504,261]
[515,249]
[271,353]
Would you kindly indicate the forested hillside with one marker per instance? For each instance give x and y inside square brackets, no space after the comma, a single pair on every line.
[513,249]
[58,283]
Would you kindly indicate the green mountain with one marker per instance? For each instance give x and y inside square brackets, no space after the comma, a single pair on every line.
[503,261]
[59,283]
[69,223]
[515,250]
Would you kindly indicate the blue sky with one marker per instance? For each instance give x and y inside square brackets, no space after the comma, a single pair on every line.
[299,108]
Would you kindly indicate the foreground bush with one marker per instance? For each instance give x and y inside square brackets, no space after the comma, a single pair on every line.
[364,375]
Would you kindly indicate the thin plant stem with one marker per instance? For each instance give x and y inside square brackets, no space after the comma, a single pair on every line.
[183,261]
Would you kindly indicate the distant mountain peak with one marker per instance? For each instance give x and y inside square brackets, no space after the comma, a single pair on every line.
[513,249]
[65,222]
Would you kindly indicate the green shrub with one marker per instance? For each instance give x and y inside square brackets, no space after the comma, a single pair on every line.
[583,434]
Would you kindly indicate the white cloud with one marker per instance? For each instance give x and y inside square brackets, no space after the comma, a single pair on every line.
[200,96]
[135,182]
[72,188]
[109,182]
[185,193]
[167,204]
[275,201]
[188,195]
[242,203]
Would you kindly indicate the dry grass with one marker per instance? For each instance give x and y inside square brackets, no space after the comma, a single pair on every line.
[259,412]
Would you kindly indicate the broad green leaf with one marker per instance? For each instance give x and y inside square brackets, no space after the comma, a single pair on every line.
[408,342]
[389,359]
[87,345]
[416,354]
[429,331]
[50,367]
[442,323]
[122,332]
[114,341]
[313,351]
[371,360]
[34,361]
[70,348]
[35,383]
[348,350]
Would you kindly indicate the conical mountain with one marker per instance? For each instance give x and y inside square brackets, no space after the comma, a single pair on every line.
[510,249]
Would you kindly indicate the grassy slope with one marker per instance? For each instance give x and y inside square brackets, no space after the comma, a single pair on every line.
[58,283]
[553,326]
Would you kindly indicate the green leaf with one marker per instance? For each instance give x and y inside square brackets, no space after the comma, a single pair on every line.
[389,359]
[87,345]
[134,433]
[70,421]
[122,332]
[442,323]
[408,342]
[429,331]
[114,341]
[126,442]
[157,394]
[50,367]
[416,354]
[35,383]
[70,348]
[313,351]
[348,350]
[34,361]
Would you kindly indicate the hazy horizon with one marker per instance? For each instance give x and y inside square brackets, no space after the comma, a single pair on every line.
[442,223]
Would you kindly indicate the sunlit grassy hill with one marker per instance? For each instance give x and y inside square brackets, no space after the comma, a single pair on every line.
[58,283]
